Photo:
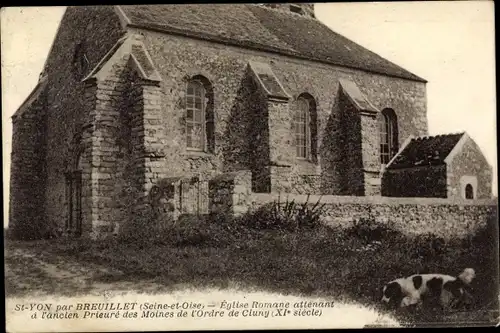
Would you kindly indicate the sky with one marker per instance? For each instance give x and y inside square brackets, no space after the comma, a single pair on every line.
[450,44]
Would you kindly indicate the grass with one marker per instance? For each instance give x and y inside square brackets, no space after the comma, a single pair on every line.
[348,264]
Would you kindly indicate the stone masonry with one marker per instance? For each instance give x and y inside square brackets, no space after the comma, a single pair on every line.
[425,181]
[28,179]
[412,216]
[469,162]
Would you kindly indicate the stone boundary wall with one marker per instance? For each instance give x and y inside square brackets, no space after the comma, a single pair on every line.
[443,217]
[380,200]
[230,193]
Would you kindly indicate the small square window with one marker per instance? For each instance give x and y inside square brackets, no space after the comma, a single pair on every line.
[296,9]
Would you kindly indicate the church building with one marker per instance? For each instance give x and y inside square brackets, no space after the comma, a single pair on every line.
[138,95]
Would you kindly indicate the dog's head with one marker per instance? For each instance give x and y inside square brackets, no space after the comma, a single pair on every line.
[467,276]
[392,294]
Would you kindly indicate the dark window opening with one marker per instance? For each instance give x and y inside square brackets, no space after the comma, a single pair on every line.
[80,61]
[296,9]
[469,191]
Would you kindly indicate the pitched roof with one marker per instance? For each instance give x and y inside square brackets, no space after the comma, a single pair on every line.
[35,93]
[258,27]
[427,150]
[268,80]
[356,96]
[138,55]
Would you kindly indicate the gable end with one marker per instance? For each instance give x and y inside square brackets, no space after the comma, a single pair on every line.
[135,49]
[33,96]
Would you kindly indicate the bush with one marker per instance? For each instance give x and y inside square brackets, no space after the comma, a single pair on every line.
[368,230]
[285,216]
[309,217]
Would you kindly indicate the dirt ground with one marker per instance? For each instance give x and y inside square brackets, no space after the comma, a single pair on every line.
[27,272]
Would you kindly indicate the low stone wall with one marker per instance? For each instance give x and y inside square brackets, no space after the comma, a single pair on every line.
[412,216]
[230,193]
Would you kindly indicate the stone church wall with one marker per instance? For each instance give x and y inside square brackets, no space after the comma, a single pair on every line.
[86,118]
[28,173]
[98,29]
[178,59]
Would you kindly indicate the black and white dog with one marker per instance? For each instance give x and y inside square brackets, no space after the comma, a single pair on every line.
[445,290]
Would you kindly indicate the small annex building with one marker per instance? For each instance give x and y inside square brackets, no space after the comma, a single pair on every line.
[441,166]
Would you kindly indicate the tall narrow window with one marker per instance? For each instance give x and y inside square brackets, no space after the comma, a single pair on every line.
[200,115]
[80,61]
[305,128]
[195,116]
[388,136]
[301,119]
[469,191]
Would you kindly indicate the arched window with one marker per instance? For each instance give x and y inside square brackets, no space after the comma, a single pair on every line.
[388,135]
[469,191]
[199,115]
[305,127]
[80,61]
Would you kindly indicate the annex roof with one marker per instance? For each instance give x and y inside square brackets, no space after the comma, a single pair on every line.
[425,151]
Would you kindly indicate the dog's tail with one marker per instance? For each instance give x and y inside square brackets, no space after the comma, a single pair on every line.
[467,275]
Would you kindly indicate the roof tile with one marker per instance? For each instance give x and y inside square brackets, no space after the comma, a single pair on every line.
[427,150]
[262,28]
